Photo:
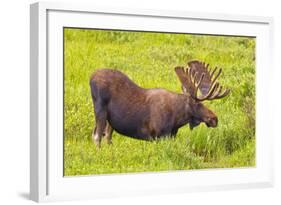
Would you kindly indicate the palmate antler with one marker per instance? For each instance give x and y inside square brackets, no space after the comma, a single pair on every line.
[197,76]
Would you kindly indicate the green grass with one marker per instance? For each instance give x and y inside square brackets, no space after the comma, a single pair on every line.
[149,60]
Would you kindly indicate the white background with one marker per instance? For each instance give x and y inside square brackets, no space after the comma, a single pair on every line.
[14,102]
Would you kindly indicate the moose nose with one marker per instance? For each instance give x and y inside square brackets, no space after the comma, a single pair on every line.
[212,122]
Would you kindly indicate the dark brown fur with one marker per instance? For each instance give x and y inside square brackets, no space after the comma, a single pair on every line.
[146,114]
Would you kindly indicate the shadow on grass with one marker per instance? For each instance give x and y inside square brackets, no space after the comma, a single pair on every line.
[24,195]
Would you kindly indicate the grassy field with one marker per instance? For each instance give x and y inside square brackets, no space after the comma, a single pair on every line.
[149,60]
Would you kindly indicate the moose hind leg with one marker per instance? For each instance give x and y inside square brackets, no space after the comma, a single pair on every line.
[100,115]
[94,132]
[108,133]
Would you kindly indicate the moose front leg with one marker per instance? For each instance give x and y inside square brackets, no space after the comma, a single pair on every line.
[174,133]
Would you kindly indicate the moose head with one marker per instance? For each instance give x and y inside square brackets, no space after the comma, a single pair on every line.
[198,76]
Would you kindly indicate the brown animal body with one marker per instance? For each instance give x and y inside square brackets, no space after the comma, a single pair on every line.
[145,114]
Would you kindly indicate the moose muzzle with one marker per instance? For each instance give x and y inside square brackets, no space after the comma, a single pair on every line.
[212,122]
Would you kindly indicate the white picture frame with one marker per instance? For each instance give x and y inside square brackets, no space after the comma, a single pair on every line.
[47,182]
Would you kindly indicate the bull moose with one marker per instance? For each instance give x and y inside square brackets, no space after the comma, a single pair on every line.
[149,114]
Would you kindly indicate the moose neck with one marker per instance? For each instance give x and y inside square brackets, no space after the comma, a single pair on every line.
[192,112]
[184,110]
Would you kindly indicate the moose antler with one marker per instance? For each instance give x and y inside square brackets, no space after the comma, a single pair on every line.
[207,84]
[186,82]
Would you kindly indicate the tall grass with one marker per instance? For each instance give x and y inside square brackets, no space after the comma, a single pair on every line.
[148,59]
